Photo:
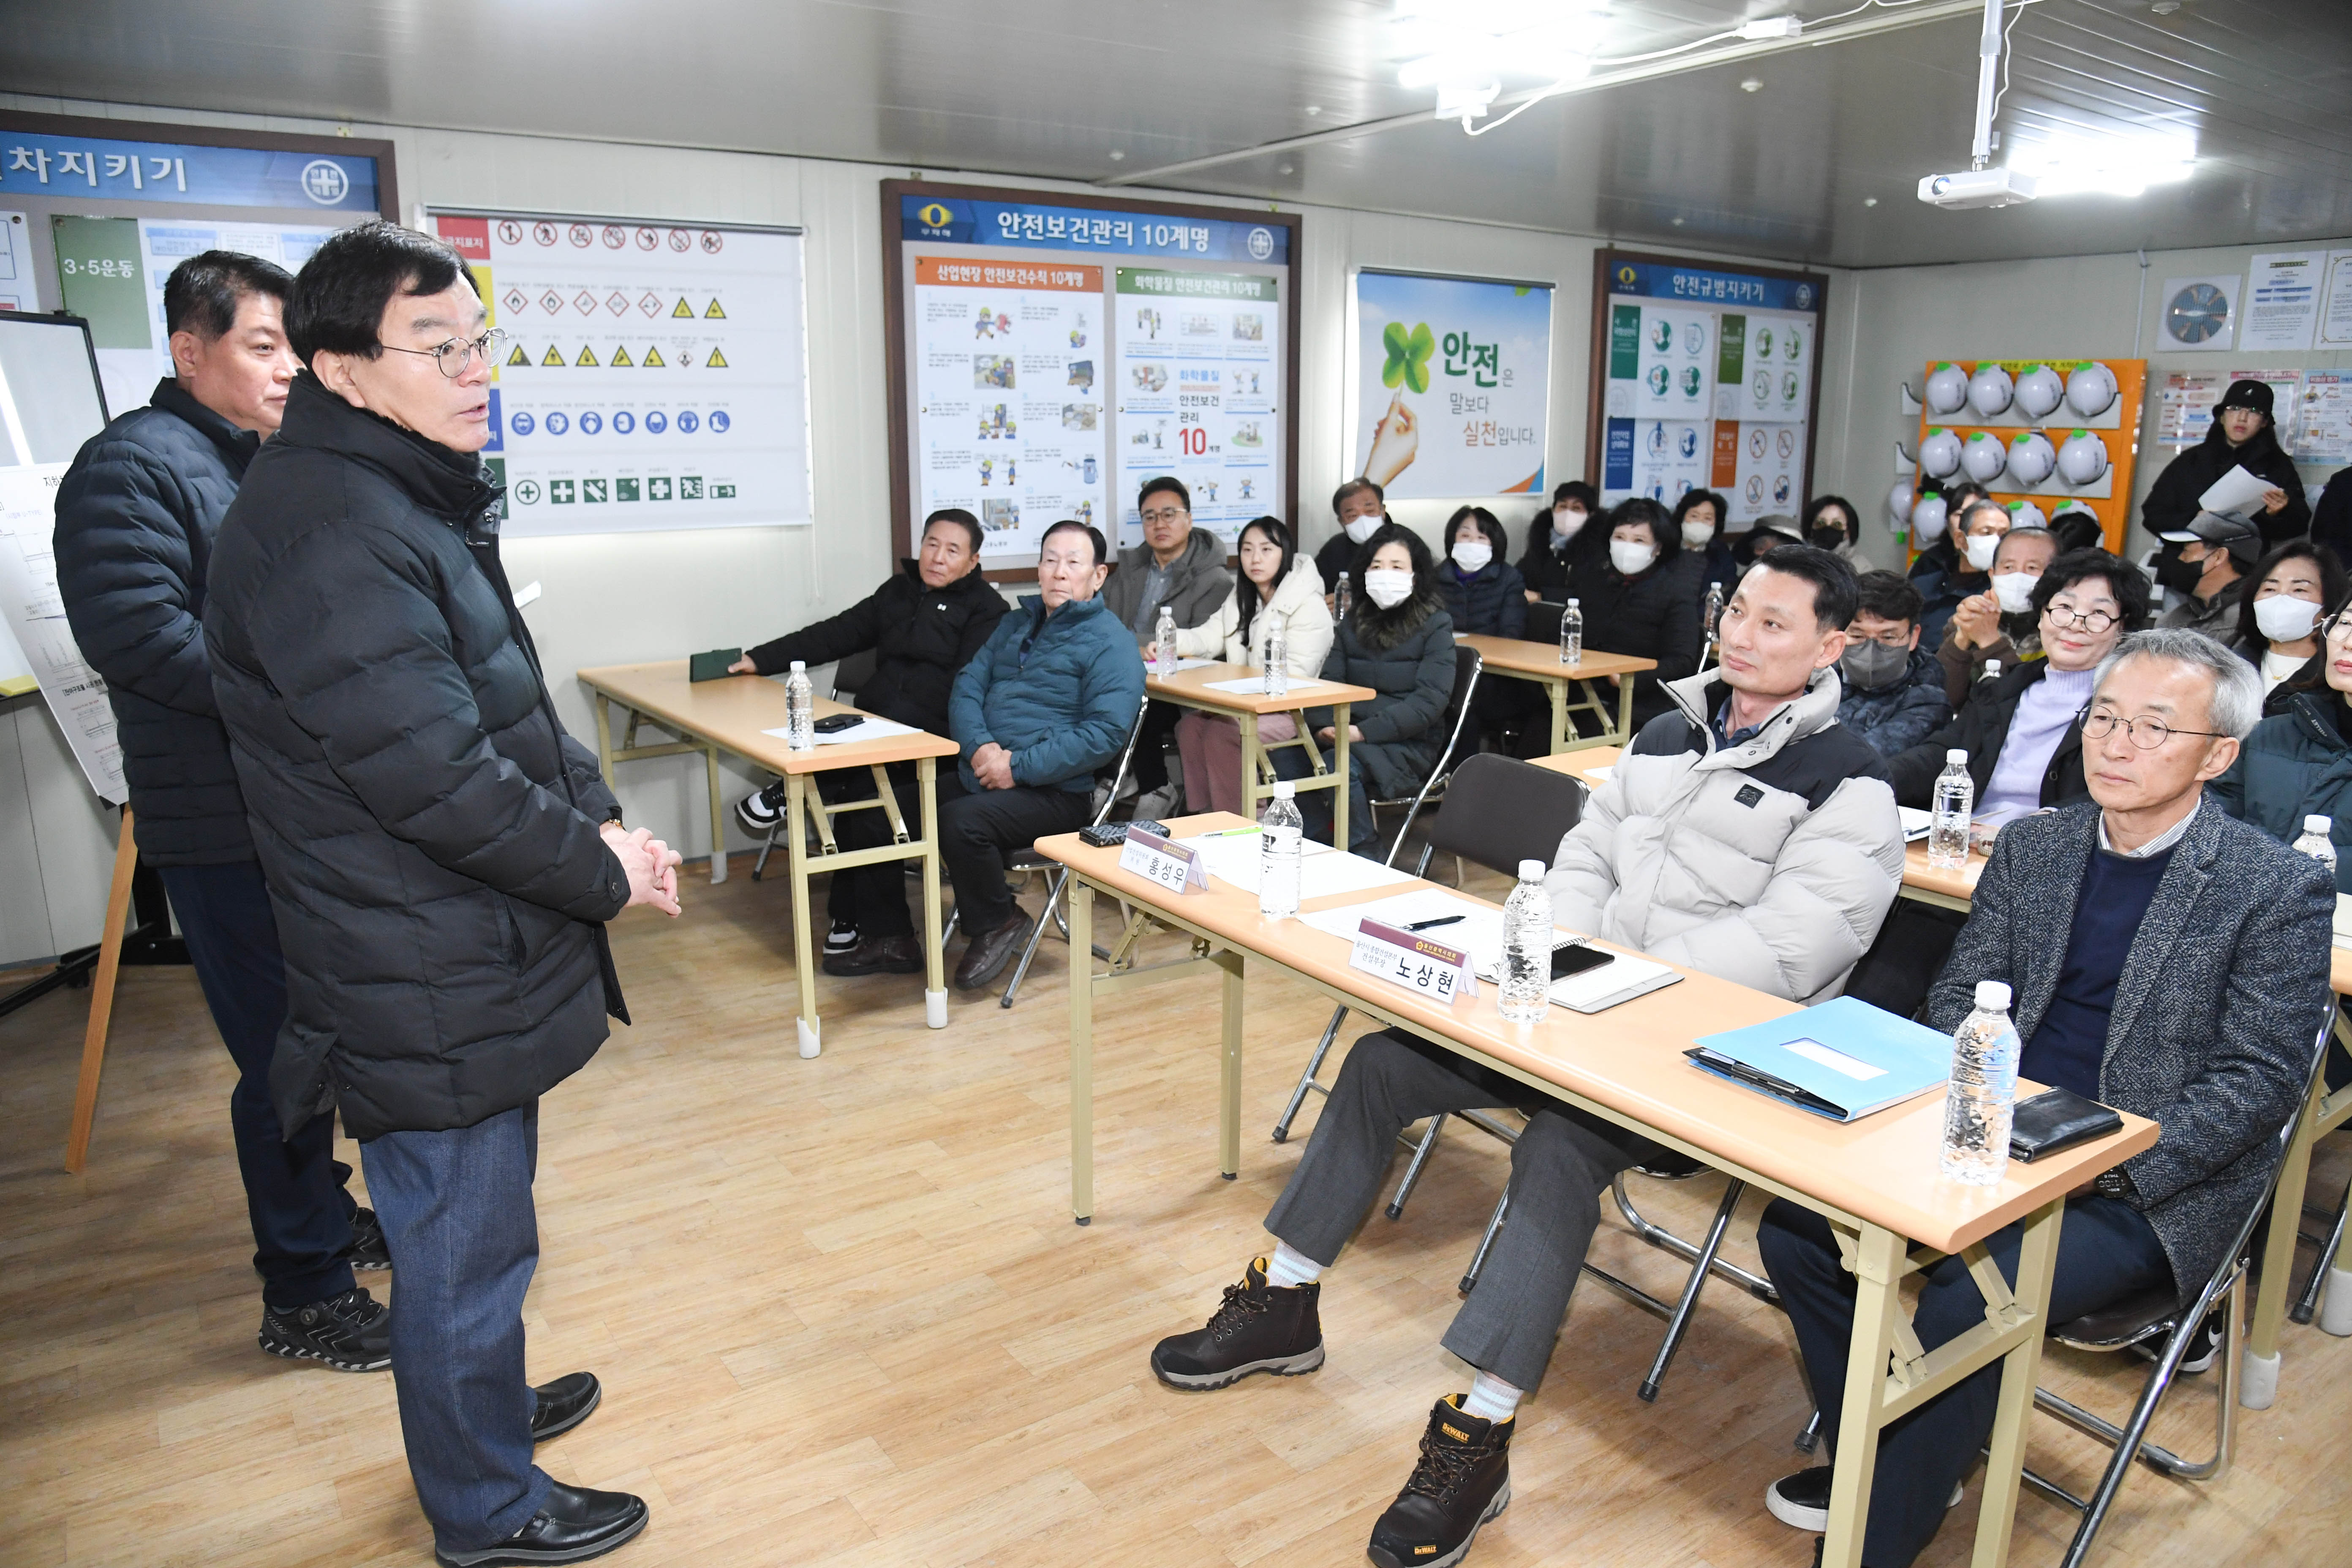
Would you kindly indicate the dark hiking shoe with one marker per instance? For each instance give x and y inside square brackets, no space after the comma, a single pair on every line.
[351,1332]
[366,1248]
[1257,1328]
[878,955]
[1462,1480]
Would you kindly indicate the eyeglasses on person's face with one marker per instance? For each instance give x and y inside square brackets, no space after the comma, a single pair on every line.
[2147,734]
[2081,620]
[455,355]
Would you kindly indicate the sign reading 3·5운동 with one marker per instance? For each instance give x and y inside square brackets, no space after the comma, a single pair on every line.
[1175,866]
[1415,963]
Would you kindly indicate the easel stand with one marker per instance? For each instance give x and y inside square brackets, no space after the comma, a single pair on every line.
[150,942]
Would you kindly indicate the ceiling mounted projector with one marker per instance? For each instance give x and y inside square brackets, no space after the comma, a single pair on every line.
[1980,185]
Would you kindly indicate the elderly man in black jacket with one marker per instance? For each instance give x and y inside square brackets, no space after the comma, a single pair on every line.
[441,855]
[137,513]
[922,625]
[2163,958]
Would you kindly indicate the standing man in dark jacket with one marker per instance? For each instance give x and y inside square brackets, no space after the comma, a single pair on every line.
[923,625]
[441,855]
[136,518]
[2160,958]
[1184,568]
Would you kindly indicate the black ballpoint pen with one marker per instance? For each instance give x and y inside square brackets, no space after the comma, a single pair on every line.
[1440,921]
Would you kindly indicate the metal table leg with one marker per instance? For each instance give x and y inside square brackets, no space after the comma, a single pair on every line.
[804,955]
[1340,791]
[1558,690]
[1877,1263]
[1082,1049]
[935,982]
[717,818]
[1624,736]
[1229,1070]
[2259,1386]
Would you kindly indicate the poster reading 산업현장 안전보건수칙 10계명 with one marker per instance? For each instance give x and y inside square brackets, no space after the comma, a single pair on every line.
[1452,385]
[652,375]
[1010,360]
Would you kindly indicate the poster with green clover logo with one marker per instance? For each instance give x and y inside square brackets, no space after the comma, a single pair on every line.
[1452,385]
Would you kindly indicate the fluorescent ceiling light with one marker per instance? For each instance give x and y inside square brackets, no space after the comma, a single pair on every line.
[1465,44]
[2076,164]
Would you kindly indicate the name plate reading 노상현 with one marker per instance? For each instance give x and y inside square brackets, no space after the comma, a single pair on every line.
[1415,963]
[1175,866]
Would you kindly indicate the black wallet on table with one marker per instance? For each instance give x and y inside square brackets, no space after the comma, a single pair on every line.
[711,666]
[2057,1119]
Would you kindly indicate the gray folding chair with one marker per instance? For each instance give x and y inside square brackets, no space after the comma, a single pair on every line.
[2159,1313]
[1027,859]
[849,676]
[1467,666]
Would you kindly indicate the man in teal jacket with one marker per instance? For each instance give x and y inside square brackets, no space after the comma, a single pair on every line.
[1047,701]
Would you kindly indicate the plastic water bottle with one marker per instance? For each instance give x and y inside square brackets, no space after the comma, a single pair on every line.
[1951,805]
[1714,617]
[1992,671]
[2318,841]
[800,709]
[1978,1101]
[1164,637]
[1572,634]
[1279,848]
[1526,948]
[1274,652]
[1342,596]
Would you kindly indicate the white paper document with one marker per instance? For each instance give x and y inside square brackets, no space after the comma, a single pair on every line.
[1255,685]
[872,729]
[1478,931]
[1916,821]
[1234,857]
[2238,492]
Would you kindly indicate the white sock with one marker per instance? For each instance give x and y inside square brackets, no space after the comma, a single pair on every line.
[1491,1399]
[1290,1266]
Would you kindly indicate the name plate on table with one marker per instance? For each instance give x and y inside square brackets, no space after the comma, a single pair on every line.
[1415,963]
[1175,866]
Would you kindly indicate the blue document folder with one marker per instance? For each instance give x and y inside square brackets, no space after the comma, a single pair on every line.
[1842,1059]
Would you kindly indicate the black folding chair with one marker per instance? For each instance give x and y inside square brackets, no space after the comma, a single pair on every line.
[849,676]
[1467,666]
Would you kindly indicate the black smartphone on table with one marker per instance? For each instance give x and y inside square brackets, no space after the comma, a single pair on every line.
[1574,958]
[839,722]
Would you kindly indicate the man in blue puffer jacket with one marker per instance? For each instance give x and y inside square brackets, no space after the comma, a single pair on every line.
[1047,701]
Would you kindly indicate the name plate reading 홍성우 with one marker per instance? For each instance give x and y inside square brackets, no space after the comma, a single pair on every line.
[1175,866]
[1415,963]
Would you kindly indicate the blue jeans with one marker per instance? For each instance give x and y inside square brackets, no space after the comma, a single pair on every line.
[458,1215]
[294,1187]
[2106,1251]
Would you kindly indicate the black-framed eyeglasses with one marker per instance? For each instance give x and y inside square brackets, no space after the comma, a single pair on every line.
[2146,734]
[2339,624]
[2081,620]
[455,355]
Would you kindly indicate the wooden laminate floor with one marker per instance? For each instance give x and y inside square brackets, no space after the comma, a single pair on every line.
[843,1316]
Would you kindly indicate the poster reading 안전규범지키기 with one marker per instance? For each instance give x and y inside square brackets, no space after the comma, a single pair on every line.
[1009,356]
[1199,369]
[652,375]
[1452,385]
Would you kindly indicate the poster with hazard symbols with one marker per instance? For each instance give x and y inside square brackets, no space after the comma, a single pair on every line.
[1706,376]
[652,375]
[1198,358]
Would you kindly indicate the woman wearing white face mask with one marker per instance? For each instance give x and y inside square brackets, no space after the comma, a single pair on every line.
[1398,640]
[1359,507]
[1699,523]
[2278,624]
[1999,623]
[1483,592]
[1562,543]
[1645,601]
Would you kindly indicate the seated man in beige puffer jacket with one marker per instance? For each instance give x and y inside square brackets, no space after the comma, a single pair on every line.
[1746,833]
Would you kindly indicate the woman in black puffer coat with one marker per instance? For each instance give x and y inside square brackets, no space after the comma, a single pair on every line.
[1645,601]
[1404,651]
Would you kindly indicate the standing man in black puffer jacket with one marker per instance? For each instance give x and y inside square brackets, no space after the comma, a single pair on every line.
[441,855]
[922,625]
[136,516]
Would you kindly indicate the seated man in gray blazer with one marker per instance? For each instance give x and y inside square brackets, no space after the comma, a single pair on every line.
[1747,834]
[2163,959]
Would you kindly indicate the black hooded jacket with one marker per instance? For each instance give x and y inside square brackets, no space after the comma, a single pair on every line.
[921,636]
[136,516]
[2171,502]
[429,832]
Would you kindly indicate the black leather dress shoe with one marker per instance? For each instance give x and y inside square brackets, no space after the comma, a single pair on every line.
[991,951]
[574,1525]
[563,1403]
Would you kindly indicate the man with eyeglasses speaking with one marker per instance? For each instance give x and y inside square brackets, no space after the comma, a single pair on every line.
[442,857]
[2164,959]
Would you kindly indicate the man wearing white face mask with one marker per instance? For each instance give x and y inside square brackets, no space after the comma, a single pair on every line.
[1999,623]
[1976,536]
[1645,602]
[1561,542]
[1359,507]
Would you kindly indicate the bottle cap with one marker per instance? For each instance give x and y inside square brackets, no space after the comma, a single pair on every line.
[1573,603]
[1993,669]
[1285,790]
[1532,870]
[2319,824]
[799,667]
[1992,996]
[1957,755]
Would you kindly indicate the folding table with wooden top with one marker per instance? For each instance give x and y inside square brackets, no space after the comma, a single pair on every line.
[733,716]
[1192,688]
[1876,1180]
[1572,688]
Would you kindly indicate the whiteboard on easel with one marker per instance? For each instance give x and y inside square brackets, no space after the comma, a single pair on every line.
[50,403]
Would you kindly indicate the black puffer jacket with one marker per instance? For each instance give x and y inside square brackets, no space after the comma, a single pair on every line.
[921,638]
[429,832]
[1405,654]
[1981,727]
[1652,614]
[136,516]
[2171,503]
